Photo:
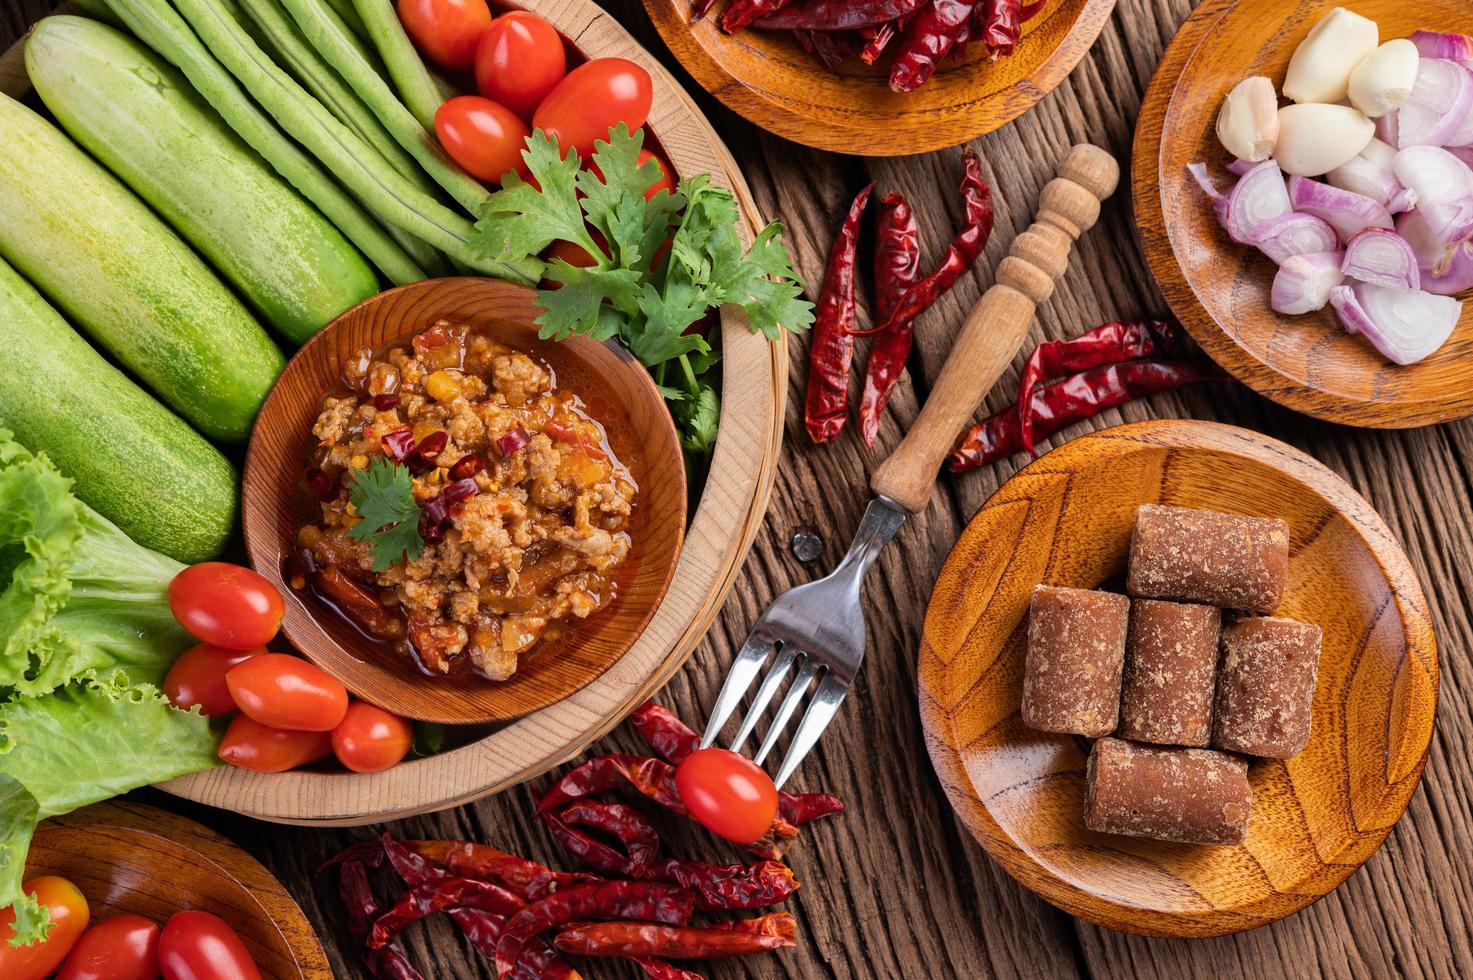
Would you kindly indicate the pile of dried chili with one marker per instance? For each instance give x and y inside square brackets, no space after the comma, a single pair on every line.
[924,33]
[632,903]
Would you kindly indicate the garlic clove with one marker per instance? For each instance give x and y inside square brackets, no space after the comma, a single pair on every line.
[1248,124]
[1384,78]
[1320,69]
[1315,139]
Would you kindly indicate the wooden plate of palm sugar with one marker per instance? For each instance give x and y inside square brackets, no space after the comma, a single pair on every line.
[1305,821]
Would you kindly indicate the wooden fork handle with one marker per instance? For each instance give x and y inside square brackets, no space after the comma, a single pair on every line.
[998,324]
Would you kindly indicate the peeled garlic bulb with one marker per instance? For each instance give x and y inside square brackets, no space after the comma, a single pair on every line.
[1315,139]
[1248,124]
[1384,78]
[1321,66]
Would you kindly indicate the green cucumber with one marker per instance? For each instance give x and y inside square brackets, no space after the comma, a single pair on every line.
[121,275]
[137,115]
[134,461]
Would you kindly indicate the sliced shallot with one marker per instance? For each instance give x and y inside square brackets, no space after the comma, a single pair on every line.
[1293,234]
[1438,106]
[1383,258]
[1456,275]
[1444,188]
[1404,326]
[1363,176]
[1258,196]
[1303,282]
[1346,211]
[1452,47]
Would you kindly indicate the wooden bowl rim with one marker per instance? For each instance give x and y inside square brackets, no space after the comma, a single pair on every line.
[1159,241]
[302,626]
[146,823]
[881,135]
[1176,435]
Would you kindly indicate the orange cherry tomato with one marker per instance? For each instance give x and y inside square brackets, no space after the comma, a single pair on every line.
[68,910]
[728,793]
[446,31]
[519,59]
[662,183]
[198,678]
[227,605]
[591,100]
[125,947]
[370,739]
[283,691]
[196,945]
[484,137]
[261,748]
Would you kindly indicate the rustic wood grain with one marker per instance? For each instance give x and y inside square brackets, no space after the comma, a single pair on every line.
[896,887]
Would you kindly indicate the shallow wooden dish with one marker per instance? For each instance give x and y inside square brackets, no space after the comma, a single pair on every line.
[767,77]
[615,388]
[1220,289]
[133,859]
[1066,520]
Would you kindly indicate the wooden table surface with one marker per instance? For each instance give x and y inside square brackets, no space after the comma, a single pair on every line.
[896,887]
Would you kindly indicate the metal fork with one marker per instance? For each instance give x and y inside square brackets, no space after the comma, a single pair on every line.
[818,628]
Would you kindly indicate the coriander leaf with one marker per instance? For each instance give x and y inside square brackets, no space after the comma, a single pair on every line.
[698,418]
[766,286]
[383,495]
[578,305]
[614,199]
[523,218]
[666,318]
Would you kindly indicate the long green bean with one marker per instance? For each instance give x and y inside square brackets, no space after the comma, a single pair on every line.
[349,16]
[325,33]
[158,26]
[361,170]
[413,80]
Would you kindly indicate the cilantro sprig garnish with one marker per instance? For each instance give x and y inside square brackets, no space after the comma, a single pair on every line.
[383,495]
[635,291]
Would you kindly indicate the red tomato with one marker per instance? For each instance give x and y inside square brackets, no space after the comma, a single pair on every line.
[196,945]
[198,678]
[446,31]
[261,748]
[519,60]
[370,739]
[574,255]
[125,947]
[728,793]
[484,137]
[663,183]
[227,605]
[594,97]
[283,691]
[68,910]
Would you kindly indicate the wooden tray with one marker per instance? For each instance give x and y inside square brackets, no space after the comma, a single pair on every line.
[724,524]
[1220,289]
[1066,520]
[767,77]
[130,858]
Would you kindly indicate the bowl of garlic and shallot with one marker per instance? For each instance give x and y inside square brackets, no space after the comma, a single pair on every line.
[1355,176]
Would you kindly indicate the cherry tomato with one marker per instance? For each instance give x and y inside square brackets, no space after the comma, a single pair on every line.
[573,254]
[446,31]
[370,739]
[728,793]
[484,137]
[227,605]
[198,678]
[663,183]
[125,947]
[591,99]
[283,691]
[252,745]
[68,910]
[519,60]
[196,945]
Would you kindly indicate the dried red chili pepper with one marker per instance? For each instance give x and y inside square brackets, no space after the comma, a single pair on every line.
[1110,343]
[897,267]
[651,777]
[660,970]
[388,963]
[593,853]
[1000,25]
[625,824]
[733,886]
[928,39]
[835,15]
[1079,397]
[539,961]
[522,876]
[960,253]
[642,939]
[831,347]
[430,897]
[642,900]
[739,13]
[831,48]
[877,40]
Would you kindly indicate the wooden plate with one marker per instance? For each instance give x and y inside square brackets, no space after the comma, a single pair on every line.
[767,77]
[133,859]
[1066,520]
[1220,289]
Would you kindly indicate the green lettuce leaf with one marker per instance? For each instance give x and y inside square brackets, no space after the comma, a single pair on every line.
[19,814]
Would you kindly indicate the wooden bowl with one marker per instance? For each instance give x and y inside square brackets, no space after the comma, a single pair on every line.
[1220,289]
[768,77]
[615,388]
[133,859]
[1066,520]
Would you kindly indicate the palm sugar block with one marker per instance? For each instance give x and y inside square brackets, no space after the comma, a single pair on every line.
[1265,686]
[1076,654]
[1170,670]
[1225,560]
[1194,796]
